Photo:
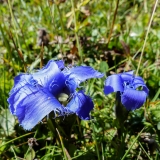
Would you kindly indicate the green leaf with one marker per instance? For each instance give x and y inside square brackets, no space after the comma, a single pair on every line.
[155,113]
[7,122]
[95,32]
[147,124]
[158,126]
[31,154]
[103,67]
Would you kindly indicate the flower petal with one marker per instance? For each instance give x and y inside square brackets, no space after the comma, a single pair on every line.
[44,75]
[20,81]
[81,104]
[113,83]
[127,76]
[50,77]
[57,84]
[144,88]
[130,72]
[15,98]
[60,64]
[83,73]
[71,84]
[139,82]
[35,107]
[79,74]
[133,99]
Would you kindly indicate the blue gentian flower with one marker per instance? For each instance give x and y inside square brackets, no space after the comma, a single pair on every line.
[132,88]
[37,94]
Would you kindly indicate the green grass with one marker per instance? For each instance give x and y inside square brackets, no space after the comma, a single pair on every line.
[111,36]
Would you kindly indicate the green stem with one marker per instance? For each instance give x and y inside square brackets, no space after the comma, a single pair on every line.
[94,137]
[132,144]
[149,26]
[63,148]
[114,18]
[14,153]
[53,22]
[61,21]
[19,50]
[14,24]
[16,139]
[4,89]
[29,147]
[76,33]
[144,151]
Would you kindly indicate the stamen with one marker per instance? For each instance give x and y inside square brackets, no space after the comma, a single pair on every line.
[63,97]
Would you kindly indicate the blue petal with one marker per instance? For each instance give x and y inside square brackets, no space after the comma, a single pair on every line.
[34,107]
[71,84]
[44,75]
[81,104]
[50,77]
[76,75]
[127,76]
[144,88]
[130,72]
[57,84]
[15,98]
[113,83]
[20,81]
[82,73]
[139,82]
[60,64]
[133,99]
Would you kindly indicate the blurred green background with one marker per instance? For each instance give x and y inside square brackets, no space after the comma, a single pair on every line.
[105,34]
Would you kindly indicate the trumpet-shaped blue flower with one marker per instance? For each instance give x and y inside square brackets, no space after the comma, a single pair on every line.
[37,94]
[133,89]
